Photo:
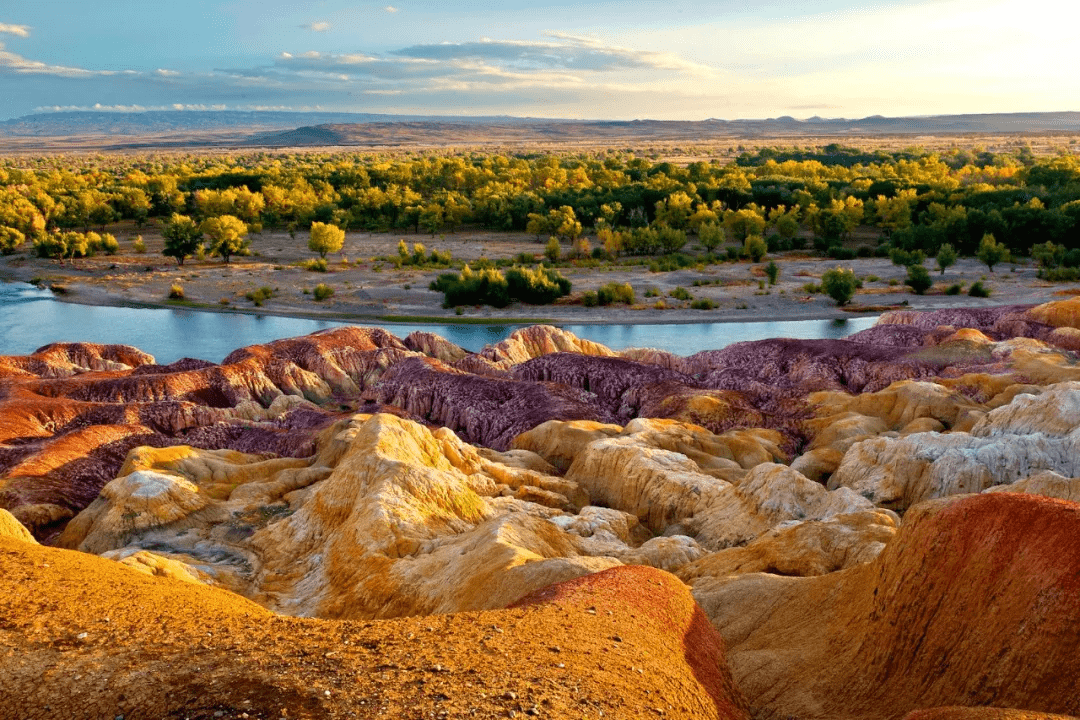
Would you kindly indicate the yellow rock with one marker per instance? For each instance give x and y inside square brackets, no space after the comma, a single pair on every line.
[13,529]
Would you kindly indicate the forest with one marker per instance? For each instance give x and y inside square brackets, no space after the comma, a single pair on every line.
[789,198]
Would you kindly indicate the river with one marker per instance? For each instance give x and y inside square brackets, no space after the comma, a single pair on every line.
[31,317]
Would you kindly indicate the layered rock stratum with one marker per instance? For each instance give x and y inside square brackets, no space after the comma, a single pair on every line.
[873,527]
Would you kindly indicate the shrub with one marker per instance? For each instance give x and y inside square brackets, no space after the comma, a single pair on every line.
[1060,274]
[704,304]
[322,292]
[731,253]
[539,286]
[652,292]
[615,293]
[590,299]
[904,258]
[772,271]
[839,284]
[489,286]
[139,246]
[1048,255]
[755,248]
[680,293]
[176,292]
[918,279]
[811,288]
[979,290]
[954,289]
[258,297]
[318,265]
[552,250]
[837,252]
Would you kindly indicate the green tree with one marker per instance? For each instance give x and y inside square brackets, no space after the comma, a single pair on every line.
[991,251]
[918,278]
[326,238]
[839,284]
[946,256]
[711,235]
[227,236]
[182,237]
[743,223]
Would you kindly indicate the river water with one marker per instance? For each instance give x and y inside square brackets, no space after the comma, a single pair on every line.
[31,317]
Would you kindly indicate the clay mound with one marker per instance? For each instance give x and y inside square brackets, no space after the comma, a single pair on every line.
[628,644]
[661,601]
[973,603]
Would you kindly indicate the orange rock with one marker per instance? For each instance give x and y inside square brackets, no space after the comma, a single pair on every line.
[974,601]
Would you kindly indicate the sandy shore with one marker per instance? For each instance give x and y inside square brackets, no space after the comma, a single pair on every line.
[367,289]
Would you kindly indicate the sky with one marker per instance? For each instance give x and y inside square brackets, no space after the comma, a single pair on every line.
[589,59]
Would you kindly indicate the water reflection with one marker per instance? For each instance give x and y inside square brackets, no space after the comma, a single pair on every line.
[30,318]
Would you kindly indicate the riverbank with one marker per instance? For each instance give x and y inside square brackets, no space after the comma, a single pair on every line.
[368,290]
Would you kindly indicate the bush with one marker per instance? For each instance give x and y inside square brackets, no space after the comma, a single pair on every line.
[680,293]
[10,240]
[139,246]
[615,293]
[540,286]
[918,279]
[811,288]
[904,258]
[837,252]
[954,289]
[704,304]
[552,250]
[772,271]
[755,248]
[176,292]
[731,253]
[1060,274]
[258,297]
[489,286]
[318,265]
[979,290]
[839,284]
[322,292]
[590,299]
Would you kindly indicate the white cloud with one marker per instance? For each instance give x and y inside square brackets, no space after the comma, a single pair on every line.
[12,62]
[162,72]
[390,9]
[20,30]
[319,26]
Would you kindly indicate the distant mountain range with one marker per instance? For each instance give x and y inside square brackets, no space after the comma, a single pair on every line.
[110,130]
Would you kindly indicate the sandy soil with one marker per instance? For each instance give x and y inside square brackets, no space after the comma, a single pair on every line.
[366,289]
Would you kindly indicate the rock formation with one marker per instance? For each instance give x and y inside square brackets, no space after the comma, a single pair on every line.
[875,525]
